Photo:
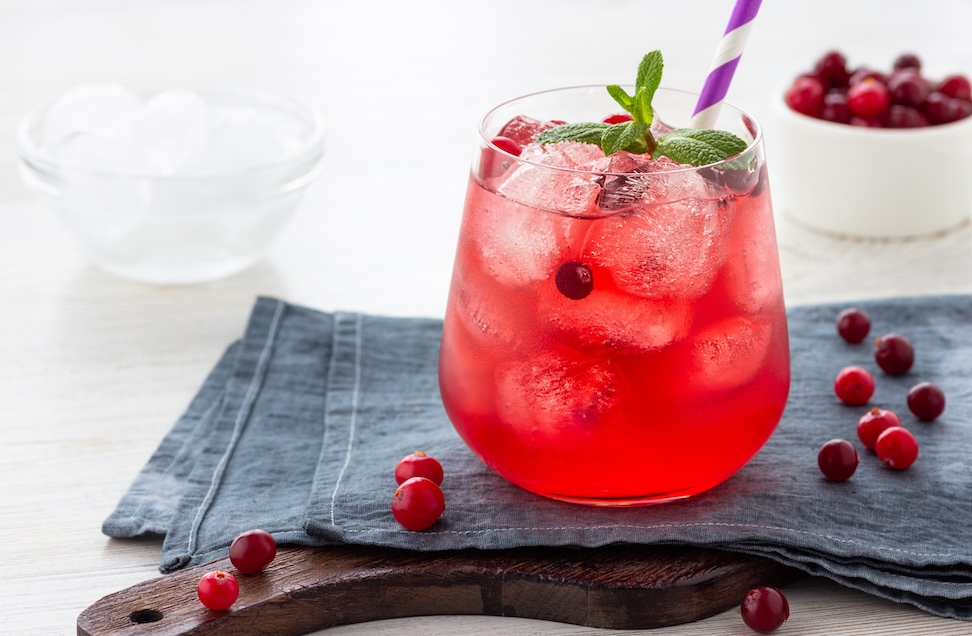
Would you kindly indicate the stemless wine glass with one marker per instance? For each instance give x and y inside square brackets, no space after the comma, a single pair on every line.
[615,332]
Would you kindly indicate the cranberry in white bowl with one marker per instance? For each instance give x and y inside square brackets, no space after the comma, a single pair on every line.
[870,152]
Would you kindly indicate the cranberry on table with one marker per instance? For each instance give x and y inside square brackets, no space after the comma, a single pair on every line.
[897,448]
[873,423]
[252,551]
[838,460]
[894,353]
[853,324]
[854,385]
[418,503]
[926,401]
[764,609]
[419,464]
[218,590]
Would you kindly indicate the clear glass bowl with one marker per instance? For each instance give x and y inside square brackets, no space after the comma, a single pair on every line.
[184,227]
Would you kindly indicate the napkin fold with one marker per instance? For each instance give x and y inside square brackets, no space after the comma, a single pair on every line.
[299,426]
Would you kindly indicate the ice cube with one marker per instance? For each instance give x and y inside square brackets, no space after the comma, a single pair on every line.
[99,107]
[669,246]
[552,179]
[556,393]
[752,271]
[170,127]
[525,130]
[608,319]
[728,353]
[239,138]
[99,152]
[518,244]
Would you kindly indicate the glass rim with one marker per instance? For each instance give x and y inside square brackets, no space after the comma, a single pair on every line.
[486,140]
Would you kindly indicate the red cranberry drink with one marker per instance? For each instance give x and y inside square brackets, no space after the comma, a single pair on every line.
[615,331]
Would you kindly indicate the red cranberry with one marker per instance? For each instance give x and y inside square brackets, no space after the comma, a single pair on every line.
[619,118]
[833,67]
[926,401]
[419,464]
[908,87]
[507,145]
[764,609]
[956,87]
[865,73]
[835,108]
[905,117]
[894,354]
[806,95]
[853,324]
[907,60]
[897,448]
[868,98]
[838,460]
[574,280]
[252,551]
[873,423]
[942,109]
[854,385]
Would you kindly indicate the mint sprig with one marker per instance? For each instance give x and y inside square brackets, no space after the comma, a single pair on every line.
[683,145]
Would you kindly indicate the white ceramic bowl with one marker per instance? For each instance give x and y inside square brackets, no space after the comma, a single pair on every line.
[870,183]
[207,221]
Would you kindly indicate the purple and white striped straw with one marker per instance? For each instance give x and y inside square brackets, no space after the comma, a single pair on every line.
[724,64]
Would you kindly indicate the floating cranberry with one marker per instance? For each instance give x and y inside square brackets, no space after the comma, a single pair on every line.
[854,385]
[806,95]
[574,280]
[853,324]
[764,609]
[926,401]
[868,98]
[897,448]
[507,145]
[838,460]
[873,423]
[956,87]
[618,118]
[894,354]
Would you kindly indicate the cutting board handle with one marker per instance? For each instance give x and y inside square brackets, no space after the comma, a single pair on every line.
[309,589]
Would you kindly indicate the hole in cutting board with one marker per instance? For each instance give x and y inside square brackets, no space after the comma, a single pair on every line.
[145,616]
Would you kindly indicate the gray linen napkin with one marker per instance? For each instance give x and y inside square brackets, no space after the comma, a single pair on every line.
[298,428]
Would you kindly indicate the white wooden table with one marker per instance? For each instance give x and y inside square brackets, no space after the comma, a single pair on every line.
[94,369]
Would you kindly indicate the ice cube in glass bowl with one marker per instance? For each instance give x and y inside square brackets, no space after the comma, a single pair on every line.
[201,202]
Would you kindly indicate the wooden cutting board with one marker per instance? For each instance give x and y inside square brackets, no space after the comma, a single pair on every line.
[308,589]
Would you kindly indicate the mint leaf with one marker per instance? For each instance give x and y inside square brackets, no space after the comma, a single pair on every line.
[650,73]
[621,96]
[642,110]
[698,147]
[628,136]
[588,133]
